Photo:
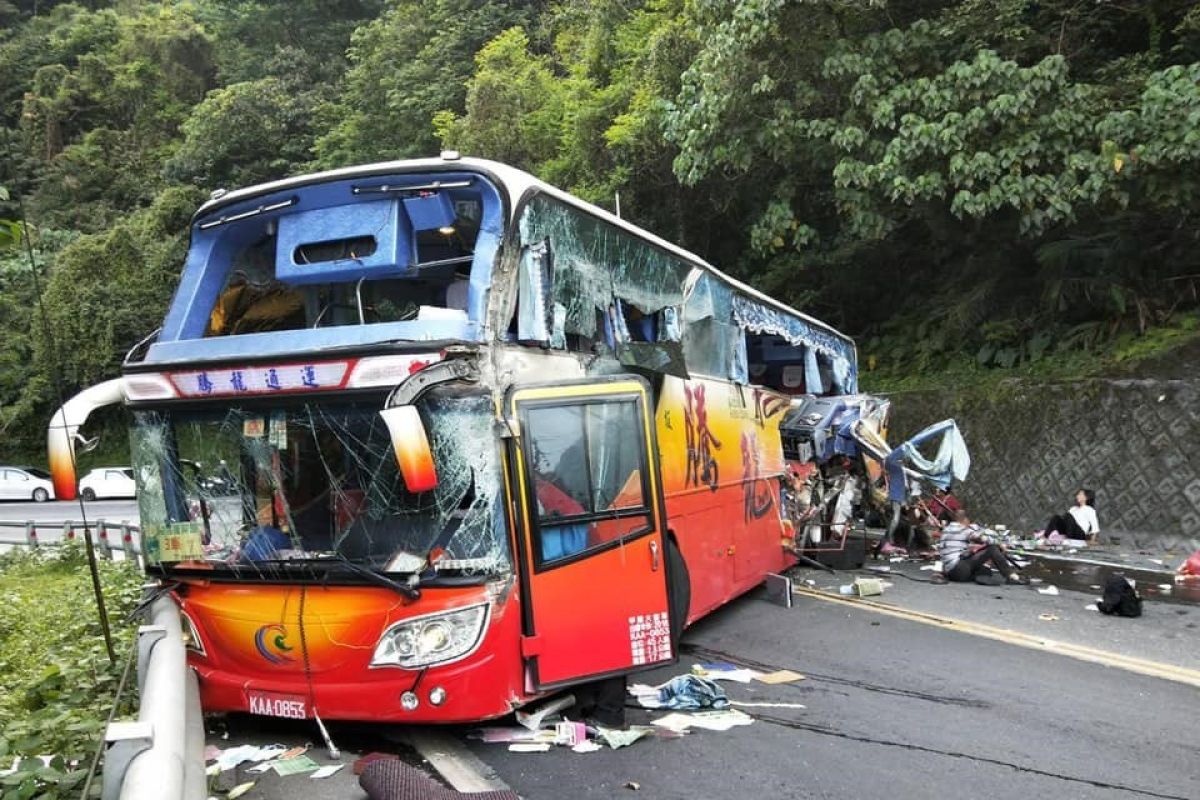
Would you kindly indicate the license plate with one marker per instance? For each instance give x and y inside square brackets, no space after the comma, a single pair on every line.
[277,704]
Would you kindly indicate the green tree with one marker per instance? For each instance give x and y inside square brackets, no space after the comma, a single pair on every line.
[407,65]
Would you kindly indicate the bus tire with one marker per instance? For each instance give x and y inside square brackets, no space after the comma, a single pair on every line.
[679,590]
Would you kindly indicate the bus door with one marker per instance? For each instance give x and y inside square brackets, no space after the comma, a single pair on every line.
[593,567]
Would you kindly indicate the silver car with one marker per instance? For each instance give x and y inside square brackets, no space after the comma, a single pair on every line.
[25,483]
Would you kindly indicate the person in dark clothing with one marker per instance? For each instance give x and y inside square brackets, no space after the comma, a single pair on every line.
[968,554]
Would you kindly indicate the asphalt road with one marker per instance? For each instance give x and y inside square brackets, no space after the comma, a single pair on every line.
[894,709]
[50,515]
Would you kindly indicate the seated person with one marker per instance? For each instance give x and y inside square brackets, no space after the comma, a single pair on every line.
[943,505]
[1080,521]
[963,561]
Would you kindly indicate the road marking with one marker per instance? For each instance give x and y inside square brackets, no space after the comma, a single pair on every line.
[1106,658]
[458,766]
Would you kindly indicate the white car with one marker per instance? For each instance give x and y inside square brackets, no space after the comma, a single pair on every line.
[108,482]
[25,483]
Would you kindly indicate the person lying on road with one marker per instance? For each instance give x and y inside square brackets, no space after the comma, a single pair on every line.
[968,554]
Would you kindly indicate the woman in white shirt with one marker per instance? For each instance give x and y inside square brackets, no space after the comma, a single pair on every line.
[1080,521]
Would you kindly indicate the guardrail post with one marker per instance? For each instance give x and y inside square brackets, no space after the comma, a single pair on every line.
[31,534]
[164,757]
[123,742]
[127,541]
[102,540]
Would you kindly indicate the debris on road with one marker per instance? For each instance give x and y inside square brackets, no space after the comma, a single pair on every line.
[327,771]
[681,693]
[1050,590]
[529,747]
[708,720]
[780,676]
[1048,617]
[634,785]
[533,719]
[617,738]
[724,671]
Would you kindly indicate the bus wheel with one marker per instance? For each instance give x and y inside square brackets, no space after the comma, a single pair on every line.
[679,590]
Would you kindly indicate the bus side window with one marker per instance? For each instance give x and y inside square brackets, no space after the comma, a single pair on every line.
[586,475]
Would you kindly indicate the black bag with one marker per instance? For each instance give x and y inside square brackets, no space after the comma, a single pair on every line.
[1120,598]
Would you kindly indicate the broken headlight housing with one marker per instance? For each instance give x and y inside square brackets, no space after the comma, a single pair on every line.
[432,639]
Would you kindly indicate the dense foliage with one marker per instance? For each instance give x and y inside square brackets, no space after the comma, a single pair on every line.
[57,685]
[966,186]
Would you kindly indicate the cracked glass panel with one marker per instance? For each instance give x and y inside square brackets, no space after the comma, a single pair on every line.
[596,263]
[712,343]
[315,486]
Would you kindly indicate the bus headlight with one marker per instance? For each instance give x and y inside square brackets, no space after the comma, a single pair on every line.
[432,639]
[191,638]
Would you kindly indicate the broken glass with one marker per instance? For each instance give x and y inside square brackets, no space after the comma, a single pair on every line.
[319,482]
[597,263]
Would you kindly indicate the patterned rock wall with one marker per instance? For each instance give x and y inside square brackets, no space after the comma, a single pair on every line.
[1135,442]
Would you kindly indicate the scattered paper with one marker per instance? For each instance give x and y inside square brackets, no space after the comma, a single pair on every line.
[294,766]
[1091,607]
[586,746]
[896,559]
[740,704]
[780,676]
[295,751]
[724,672]
[707,720]
[239,790]
[633,785]
[529,747]
[213,770]
[1158,561]
[1050,590]
[616,738]
[326,771]
[534,719]
[1048,617]
[228,759]
[503,735]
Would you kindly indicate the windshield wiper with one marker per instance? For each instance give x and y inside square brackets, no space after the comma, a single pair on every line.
[405,590]
[330,560]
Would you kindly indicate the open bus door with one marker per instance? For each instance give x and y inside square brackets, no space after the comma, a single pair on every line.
[591,532]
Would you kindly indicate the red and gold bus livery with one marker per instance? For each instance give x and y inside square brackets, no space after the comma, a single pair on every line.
[425,440]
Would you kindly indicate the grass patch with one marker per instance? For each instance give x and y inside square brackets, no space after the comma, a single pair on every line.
[56,683]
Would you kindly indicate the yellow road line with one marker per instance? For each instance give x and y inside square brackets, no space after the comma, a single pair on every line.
[1141,666]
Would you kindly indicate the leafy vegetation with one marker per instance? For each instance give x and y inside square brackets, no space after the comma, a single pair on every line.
[972,188]
[56,682]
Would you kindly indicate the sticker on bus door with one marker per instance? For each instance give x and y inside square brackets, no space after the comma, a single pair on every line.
[277,704]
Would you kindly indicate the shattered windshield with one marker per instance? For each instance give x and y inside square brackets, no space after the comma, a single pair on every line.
[250,489]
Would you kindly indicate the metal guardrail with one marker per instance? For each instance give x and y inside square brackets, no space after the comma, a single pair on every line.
[161,755]
[104,532]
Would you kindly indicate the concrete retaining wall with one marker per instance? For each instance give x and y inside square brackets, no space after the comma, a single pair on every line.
[1135,442]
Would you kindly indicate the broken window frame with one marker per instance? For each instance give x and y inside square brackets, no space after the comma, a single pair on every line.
[470,492]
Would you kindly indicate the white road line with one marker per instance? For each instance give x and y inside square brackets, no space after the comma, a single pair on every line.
[458,766]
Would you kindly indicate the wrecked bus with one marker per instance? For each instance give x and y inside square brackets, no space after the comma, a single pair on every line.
[421,441]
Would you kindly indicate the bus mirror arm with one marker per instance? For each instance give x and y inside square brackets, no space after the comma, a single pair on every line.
[409,440]
[63,435]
